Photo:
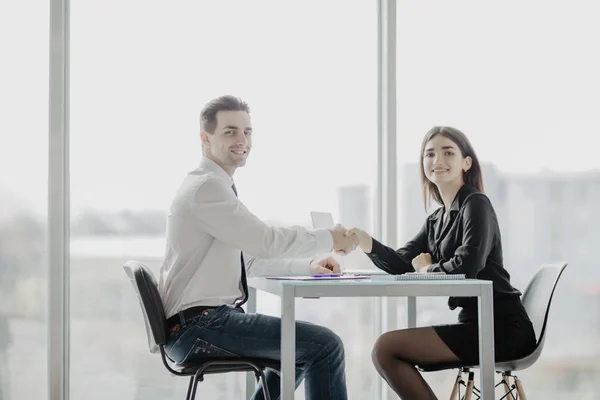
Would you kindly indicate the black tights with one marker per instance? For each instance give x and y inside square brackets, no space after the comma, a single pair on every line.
[396,353]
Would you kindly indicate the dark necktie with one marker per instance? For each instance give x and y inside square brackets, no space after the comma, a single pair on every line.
[244,282]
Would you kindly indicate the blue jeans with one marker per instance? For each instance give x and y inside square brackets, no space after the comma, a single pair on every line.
[226,331]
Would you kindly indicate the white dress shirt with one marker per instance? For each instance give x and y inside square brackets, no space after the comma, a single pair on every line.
[208,227]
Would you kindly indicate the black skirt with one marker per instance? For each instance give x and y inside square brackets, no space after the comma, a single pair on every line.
[514,336]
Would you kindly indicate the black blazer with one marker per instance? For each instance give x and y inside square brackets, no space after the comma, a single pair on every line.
[469,243]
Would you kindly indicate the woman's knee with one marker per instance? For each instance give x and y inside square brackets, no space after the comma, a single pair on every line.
[386,348]
[379,352]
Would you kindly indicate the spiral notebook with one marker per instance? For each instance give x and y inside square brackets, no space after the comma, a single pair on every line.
[419,276]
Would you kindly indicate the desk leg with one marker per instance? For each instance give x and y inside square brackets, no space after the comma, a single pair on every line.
[486,342]
[288,342]
[411,312]
[250,309]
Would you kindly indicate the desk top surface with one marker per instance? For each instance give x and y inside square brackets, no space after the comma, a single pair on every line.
[366,287]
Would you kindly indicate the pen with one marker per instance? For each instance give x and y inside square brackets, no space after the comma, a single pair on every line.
[326,275]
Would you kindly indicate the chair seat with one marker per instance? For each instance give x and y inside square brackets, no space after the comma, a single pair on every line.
[219,365]
[500,366]
[442,366]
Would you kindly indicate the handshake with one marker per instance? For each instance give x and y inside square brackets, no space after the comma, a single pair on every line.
[346,240]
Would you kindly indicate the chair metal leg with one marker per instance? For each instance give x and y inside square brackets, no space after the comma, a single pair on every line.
[199,376]
[470,384]
[263,378]
[189,392]
[508,389]
[520,391]
[455,388]
[195,378]
[471,389]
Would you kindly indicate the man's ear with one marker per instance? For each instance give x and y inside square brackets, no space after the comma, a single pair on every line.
[468,163]
[204,138]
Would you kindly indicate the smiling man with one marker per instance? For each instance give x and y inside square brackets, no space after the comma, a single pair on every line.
[213,240]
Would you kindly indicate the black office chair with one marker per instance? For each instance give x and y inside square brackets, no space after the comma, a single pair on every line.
[156,331]
[537,298]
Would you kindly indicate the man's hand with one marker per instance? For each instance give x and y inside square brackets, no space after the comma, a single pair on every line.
[325,265]
[342,244]
[365,241]
[421,262]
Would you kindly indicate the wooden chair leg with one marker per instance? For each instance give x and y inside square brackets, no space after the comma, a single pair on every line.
[520,391]
[506,386]
[470,384]
[454,394]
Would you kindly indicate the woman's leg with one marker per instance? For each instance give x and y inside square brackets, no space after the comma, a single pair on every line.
[396,353]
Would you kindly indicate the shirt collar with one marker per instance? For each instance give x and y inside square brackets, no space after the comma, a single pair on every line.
[209,165]
[461,196]
[458,201]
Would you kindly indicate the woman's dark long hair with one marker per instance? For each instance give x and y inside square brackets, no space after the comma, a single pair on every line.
[472,177]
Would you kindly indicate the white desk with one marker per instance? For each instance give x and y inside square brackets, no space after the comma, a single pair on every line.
[289,290]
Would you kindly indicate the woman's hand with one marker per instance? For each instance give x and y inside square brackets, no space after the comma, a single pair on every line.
[422,262]
[365,241]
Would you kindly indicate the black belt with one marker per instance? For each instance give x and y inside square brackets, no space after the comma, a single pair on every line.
[188,313]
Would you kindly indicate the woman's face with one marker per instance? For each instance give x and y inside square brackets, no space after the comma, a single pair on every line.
[443,162]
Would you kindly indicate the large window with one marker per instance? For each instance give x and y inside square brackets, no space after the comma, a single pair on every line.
[140,73]
[23,199]
[521,80]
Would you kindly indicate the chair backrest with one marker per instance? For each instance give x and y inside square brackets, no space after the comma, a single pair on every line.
[146,289]
[537,297]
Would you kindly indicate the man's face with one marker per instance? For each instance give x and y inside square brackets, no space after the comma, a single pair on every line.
[230,144]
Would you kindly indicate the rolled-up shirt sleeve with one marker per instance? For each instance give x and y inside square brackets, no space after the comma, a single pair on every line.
[478,238]
[257,267]
[222,215]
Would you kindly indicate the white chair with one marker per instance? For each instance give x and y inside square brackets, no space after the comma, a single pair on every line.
[536,299]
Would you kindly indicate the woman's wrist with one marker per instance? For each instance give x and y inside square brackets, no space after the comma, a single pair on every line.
[368,246]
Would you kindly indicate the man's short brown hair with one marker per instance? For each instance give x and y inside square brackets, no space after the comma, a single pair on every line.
[208,115]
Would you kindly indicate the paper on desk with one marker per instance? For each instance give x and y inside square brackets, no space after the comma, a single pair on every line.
[419,276]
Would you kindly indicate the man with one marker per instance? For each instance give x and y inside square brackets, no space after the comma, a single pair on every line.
[212,238]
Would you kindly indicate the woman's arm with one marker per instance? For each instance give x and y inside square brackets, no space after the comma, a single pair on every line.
[399,261]
[479,224]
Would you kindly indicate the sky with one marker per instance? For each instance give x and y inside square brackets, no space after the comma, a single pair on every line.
[519,78]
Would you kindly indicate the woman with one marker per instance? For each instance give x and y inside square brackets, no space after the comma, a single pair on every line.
[461,237]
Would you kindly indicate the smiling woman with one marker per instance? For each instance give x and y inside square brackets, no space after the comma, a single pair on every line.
[527,97]
[461,237]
